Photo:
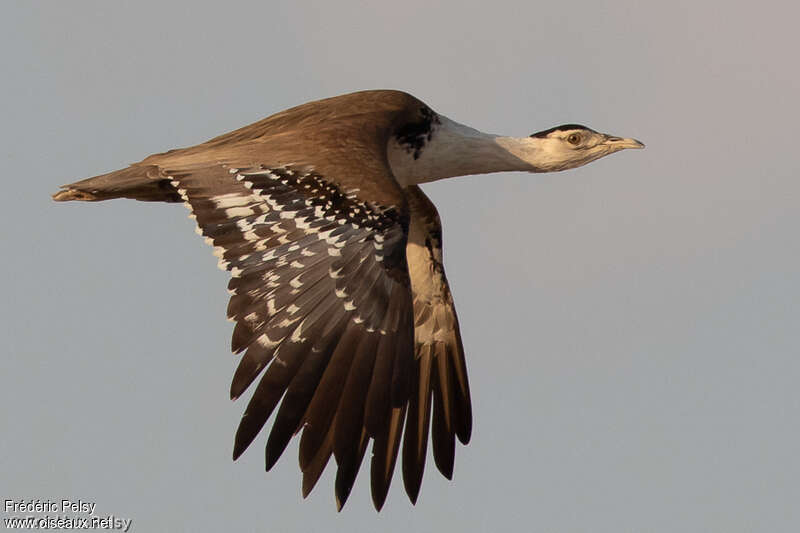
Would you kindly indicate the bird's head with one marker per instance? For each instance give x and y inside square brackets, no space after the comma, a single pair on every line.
[573,145]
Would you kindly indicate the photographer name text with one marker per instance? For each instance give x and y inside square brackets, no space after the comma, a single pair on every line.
[50,506]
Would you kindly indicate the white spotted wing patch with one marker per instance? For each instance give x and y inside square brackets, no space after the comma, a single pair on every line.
[314,267]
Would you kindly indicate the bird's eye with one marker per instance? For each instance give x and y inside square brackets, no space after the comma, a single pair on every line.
[574,138]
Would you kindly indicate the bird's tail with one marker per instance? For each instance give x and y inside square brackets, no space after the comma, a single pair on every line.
[139,182]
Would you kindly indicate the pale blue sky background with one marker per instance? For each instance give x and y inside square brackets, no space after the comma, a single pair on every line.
[631,327]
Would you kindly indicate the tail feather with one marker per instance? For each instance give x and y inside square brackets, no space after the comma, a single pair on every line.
[138,182]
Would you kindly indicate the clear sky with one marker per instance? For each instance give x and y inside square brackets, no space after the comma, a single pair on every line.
[631,327]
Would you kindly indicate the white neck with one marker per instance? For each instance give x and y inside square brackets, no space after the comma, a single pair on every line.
[458,150]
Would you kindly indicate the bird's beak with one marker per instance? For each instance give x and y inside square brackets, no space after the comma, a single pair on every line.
[619,143]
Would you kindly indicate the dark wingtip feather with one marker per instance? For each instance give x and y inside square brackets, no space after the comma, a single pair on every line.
[444,442]
[379,498]
[264,399]
[444,454]
[239,446]
[349,465]
[345,479]
[463,421]
[252,363]
[320,415]
[271,456]
[412,481]
[445,466]
[313,470]
[312,474]
[245,435]
[384,456]
[300,391]
[413,497]
[415,441]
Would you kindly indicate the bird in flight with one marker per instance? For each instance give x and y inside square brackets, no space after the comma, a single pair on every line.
[338,290]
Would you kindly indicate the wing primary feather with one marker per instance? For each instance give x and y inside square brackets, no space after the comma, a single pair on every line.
[301,389]
[376,414]
[348,470]
[348,447]
[250,366]
[384,456]
[415,442]
[316,464]
[320,415]
[256,358]
[443,436]
[284,366]
[404,361]
[390,378]
[266,397]
[463,405]
[350,414]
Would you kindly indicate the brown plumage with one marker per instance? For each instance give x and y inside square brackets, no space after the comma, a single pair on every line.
[342,309]
[340,318]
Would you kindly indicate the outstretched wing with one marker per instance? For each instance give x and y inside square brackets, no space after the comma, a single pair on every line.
[440,372]
[322,303]
[303,210]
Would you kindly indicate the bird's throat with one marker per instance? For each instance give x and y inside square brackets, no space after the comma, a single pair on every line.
[452,149]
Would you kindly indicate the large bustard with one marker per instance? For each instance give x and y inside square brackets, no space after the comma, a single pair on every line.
[338,289]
